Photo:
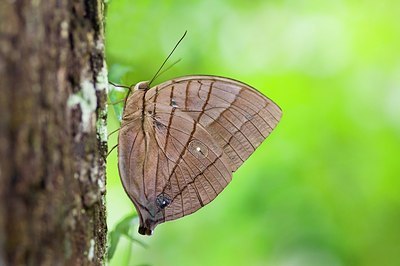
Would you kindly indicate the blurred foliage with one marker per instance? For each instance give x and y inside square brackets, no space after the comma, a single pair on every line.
[122,228]
[117,95]
[324,187]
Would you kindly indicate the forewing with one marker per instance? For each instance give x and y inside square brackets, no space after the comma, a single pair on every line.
[237,116]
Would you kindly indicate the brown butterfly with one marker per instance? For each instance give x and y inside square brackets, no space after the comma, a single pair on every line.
[180,142]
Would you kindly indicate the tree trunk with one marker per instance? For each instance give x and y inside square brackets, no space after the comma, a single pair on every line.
[53,138]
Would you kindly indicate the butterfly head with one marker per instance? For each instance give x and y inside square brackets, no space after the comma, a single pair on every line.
[142,86]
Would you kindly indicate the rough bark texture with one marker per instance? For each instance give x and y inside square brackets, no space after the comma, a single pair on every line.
[52,132]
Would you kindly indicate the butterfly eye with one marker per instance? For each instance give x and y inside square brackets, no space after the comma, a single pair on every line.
[163,200]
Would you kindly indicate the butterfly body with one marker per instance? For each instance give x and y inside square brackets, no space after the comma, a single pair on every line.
[181,140]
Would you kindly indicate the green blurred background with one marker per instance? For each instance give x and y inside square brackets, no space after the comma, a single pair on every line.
[323,189]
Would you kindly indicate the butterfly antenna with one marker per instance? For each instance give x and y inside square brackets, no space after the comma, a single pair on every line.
[169,67]
[165,61]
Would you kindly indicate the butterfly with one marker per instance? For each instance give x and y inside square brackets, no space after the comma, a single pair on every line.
[180,142]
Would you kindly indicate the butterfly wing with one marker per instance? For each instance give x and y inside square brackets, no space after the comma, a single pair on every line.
[237,116]
[169,164]
[180,141]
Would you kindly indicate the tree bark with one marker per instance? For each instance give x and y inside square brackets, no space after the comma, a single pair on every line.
[53,137]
